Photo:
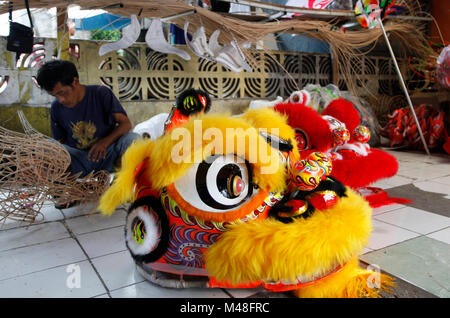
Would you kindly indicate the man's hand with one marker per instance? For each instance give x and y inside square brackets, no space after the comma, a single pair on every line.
[98,150]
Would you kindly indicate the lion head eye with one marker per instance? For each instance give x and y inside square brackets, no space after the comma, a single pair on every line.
[302,140]
[219,183]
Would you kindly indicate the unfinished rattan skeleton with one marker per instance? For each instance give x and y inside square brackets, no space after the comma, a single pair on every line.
[34,172]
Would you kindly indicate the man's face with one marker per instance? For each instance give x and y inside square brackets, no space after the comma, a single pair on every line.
[65,94]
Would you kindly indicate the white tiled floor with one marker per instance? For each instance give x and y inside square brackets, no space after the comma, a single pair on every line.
[384,234]
[442,235]
[41,260]
[415,220]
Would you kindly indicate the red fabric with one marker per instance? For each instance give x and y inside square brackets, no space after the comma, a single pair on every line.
[378,197]
[310,122]
[343,111]
[402,129]
[213,283]
[447,145]
[353,170]
[323,201]
[357,171]
[177,120]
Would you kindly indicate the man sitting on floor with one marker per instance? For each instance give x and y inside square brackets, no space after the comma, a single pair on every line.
[87,119]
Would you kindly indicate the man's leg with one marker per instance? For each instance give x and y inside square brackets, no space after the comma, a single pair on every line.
[122,144]
[79,161]
[115,152]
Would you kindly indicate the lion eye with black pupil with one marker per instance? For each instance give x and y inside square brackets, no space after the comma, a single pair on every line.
[223,184]
[229,181]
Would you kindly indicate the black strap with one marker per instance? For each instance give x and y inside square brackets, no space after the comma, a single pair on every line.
[10,11]
[28,11]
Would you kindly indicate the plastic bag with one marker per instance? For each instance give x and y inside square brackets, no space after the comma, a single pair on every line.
[443,67]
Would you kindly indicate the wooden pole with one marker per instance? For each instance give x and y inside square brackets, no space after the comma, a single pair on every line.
[62,44]
[402,82]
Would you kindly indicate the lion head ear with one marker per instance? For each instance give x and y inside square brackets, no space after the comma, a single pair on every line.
[193,101]
[205,100]
[308,124]
[344,111]
[275,126]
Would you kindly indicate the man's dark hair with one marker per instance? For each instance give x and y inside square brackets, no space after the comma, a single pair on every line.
[56,71]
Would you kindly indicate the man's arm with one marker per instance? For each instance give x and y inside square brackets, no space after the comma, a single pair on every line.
[98,150]
[57,132]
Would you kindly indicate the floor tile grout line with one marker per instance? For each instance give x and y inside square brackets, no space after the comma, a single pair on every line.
[445,228]
[100,295]
[59,239]
[412,231]
[43,270]
[412,238]
[35,244]
[27,226]
[129,285]
[107,254]
[395,209]
[403,207]
[406,228]
[99,230]
[88,258]
[227,293]
[24,225]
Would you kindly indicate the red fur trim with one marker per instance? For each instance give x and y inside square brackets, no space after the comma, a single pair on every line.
[380,198]
[344,111]
[355,171]
[307,119]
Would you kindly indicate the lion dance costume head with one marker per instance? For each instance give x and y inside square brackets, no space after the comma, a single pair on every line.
[228,201]
[338,132]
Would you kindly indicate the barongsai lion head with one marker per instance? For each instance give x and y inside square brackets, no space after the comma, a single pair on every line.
[227,201]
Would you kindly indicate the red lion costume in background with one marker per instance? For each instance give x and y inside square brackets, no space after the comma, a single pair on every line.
[337,132]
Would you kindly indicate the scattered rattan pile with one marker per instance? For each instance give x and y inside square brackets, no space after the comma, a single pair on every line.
[33,172]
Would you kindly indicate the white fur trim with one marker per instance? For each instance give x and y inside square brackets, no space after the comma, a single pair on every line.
[152,230]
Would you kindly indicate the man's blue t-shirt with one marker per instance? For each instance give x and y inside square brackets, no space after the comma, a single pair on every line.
[88,121]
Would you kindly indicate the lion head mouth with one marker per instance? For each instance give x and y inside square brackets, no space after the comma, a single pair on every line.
[288,255]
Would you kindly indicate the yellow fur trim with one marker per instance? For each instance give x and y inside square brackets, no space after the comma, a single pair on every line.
[351,282]
[122,189]
[174,154]
[270,250]
[268,118]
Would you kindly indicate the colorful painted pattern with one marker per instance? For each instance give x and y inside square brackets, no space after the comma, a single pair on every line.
[361,134]
[191,236]
[340,136]
[368,11]
[306,174]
